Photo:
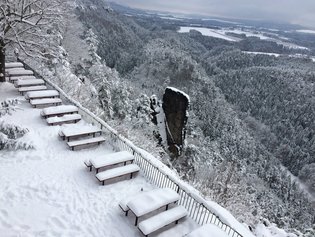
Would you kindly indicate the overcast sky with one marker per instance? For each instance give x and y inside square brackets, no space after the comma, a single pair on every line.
[294,11]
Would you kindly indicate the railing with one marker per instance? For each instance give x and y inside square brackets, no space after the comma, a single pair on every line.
[154,171]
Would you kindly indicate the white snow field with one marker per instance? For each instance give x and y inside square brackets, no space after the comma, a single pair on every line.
[221,33]
[49,191]
[306,31]
[264,53]
[208,32]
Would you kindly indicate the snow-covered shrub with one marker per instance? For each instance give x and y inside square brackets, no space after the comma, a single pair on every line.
[7,106]
[9,137]
[12,144]
[12,131]
[142,110]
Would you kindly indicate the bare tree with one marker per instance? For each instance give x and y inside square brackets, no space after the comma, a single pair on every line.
[28,25]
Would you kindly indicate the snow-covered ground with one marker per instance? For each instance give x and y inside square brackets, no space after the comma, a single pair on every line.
[207,32]
[264,53]
[307,31]
[277,55]
[245,32]
[222,34]
[48,191]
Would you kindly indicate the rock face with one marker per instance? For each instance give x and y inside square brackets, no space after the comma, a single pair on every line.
[175,106]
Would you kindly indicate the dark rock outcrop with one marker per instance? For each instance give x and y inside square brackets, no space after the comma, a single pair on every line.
[175,106]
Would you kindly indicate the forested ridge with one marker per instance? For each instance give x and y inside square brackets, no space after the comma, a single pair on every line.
[251,120]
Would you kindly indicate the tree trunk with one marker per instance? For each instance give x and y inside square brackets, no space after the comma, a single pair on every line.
[2,62]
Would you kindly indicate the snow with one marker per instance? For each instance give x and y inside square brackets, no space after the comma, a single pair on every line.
[32,88]
[8,70]
[264,53]
[260,35]
[180,92]
[21,78]
[123,203]
[45,101]
[162,219]
[170,18]
[277,55]
[115,158]
[74,130]
[49,192]
[84,141]
[116,172]
[30,82]
[306,31]
[229,219]
[221,33]
[153,200]
[65,118]
[61,109]
[208,230]
[14,65]
[291,45]
[207,32]
[40,94]
[247,33]
[19,71]
[271,231]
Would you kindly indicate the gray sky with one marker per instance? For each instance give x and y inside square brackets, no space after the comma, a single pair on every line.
[294,11]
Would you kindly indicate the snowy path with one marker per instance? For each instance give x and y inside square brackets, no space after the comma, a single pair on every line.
[49,191]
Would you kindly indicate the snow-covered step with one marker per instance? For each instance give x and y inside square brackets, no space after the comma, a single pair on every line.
[123,203]
[20,72]
[162,219]
[208,230]
[71,132]
[68,118]
[31,88]
[88,141]
[111,159]
[59,111]
[13,79]
[117,172]
[41,94]
[151,201]
[31,82]
[9,70]
[45,102]
[14,65]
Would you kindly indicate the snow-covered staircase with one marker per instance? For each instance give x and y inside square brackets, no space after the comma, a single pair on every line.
[38,94]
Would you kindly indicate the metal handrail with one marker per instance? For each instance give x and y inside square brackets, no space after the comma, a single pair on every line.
[195,204]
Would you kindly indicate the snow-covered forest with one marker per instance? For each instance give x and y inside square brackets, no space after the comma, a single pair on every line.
[250,142]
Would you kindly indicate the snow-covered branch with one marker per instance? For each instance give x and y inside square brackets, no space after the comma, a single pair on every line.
[24,22]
